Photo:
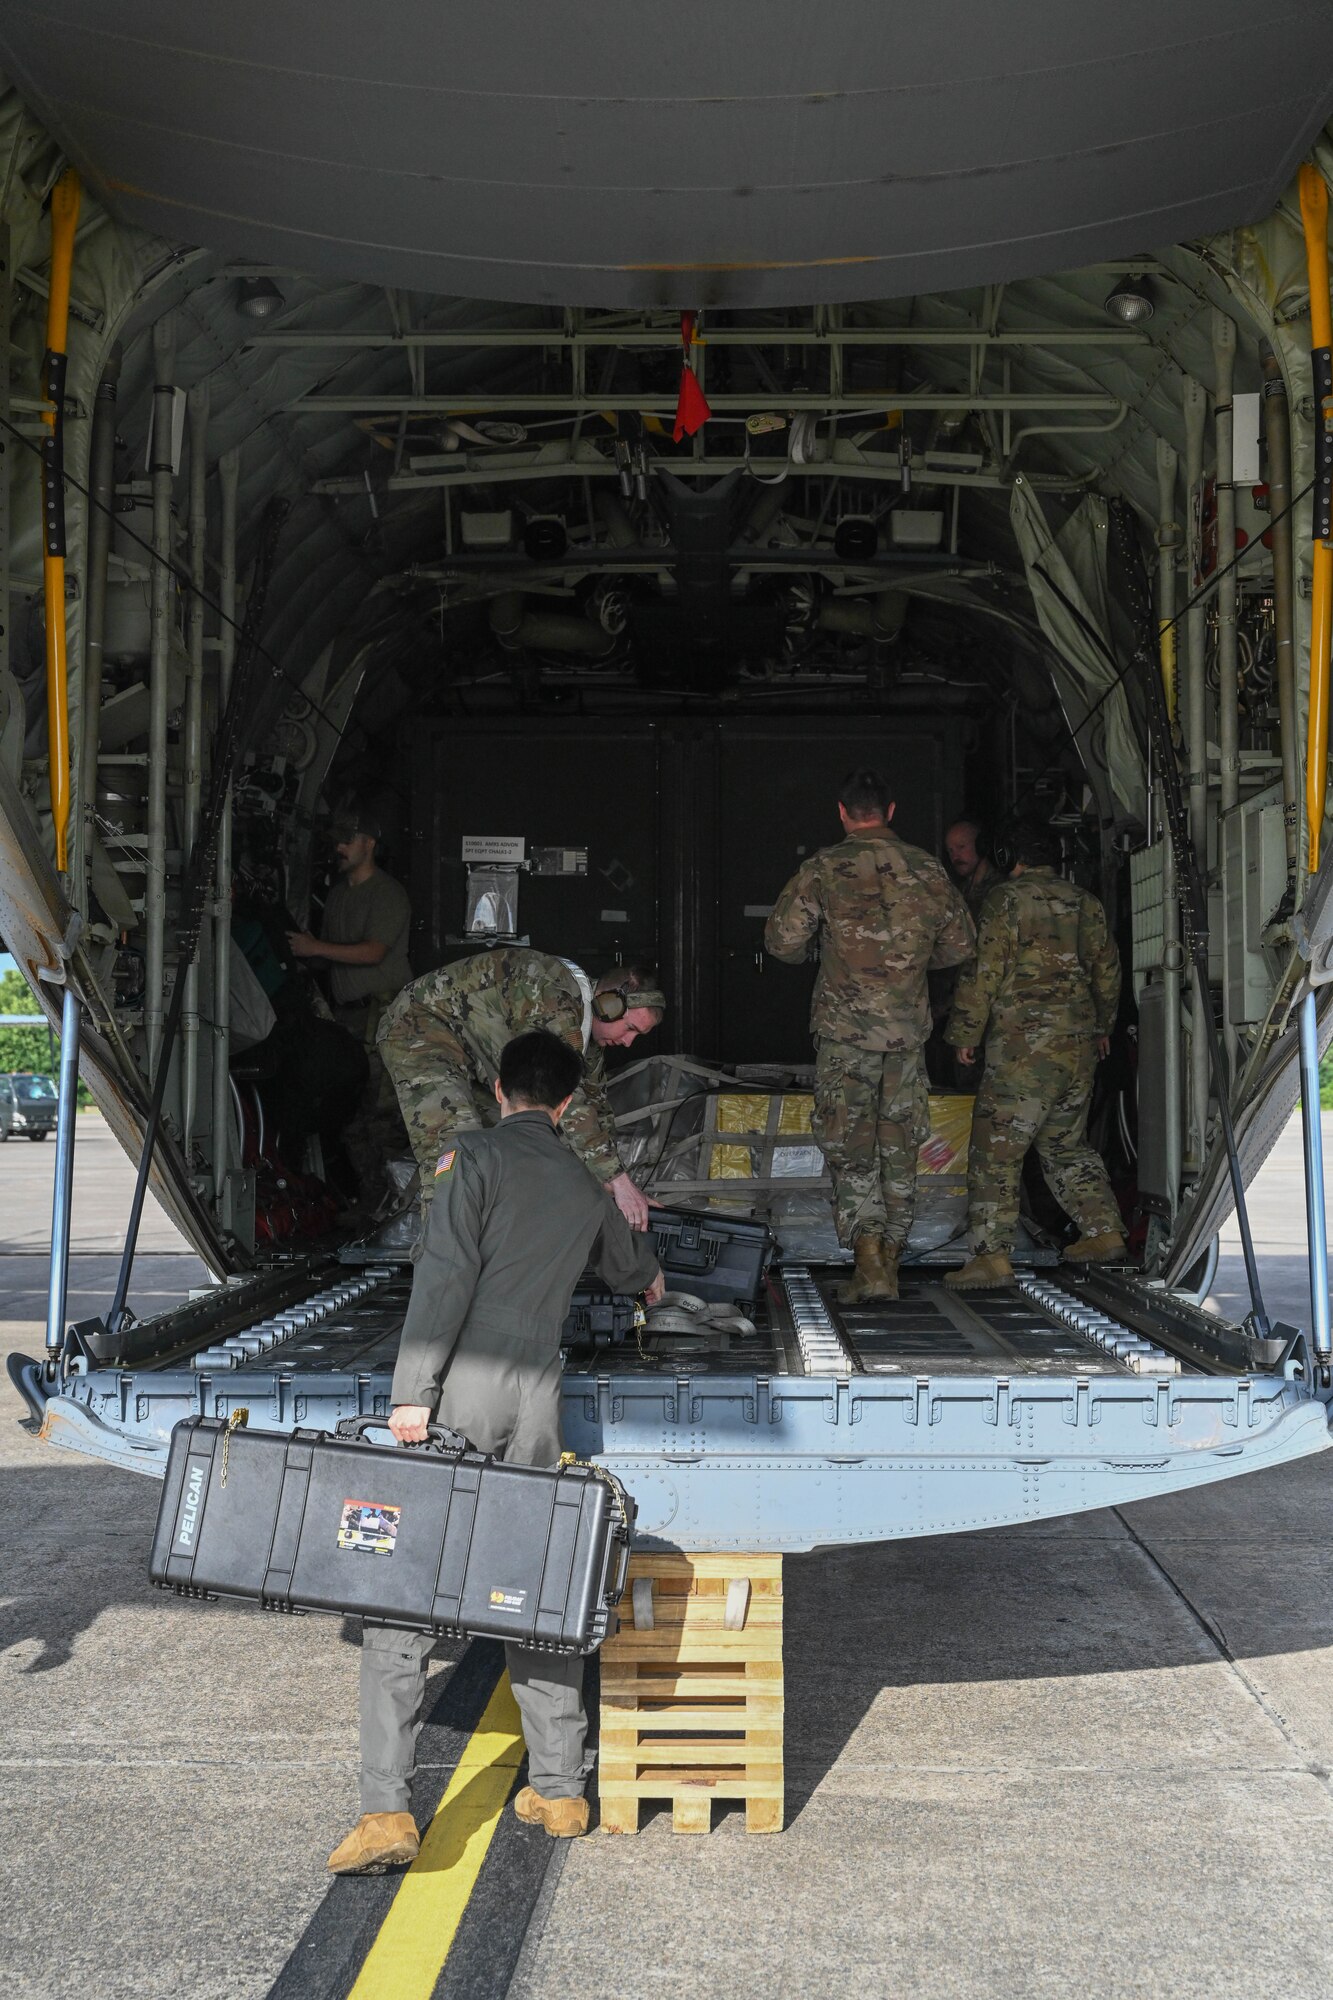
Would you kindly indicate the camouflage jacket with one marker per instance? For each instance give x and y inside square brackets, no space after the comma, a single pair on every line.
[485,1001]
[975,892]
[1045,959]
[879,915]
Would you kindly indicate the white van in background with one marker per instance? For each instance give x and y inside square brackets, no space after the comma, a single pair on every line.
[27,1106]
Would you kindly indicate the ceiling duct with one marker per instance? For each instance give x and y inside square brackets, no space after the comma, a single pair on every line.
[519,630]
[879,618]
[611,513]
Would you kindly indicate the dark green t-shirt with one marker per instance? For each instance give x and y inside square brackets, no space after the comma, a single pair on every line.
[376,909]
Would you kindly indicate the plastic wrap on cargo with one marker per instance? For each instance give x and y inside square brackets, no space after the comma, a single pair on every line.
[748,1141]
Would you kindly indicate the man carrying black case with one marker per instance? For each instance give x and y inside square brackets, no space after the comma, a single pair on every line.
[515,1219]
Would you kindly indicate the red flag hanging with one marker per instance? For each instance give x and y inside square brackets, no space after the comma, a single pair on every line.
[692,411]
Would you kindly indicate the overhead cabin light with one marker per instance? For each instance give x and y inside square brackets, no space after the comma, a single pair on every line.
[855,539]
[1131,301]
[544,538]
[258,298]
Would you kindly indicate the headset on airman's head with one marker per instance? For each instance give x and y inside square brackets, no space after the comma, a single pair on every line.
[1026,840]
[615,1002]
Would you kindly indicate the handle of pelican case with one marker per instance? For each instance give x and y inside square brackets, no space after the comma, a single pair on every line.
[616,1587]
[627,1510]
[438,1436]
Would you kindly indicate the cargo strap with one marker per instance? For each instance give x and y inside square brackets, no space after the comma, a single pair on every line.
[277,1585]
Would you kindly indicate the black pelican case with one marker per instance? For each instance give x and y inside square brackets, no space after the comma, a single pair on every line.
[720,1258]
[436,1538]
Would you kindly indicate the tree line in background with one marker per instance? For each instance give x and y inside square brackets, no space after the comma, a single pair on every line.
[32,1049]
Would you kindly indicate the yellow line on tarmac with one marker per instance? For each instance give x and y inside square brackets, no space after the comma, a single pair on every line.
[415,1938]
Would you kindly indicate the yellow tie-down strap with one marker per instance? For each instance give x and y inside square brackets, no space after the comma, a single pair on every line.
[944,1152]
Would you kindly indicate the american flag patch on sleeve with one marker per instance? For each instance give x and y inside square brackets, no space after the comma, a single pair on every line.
[446,1164]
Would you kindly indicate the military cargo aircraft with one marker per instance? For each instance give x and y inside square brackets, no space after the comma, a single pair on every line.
[580,445]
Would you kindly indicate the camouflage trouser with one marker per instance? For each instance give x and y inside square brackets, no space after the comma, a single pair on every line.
[1035,1092]
[871,1114]
[439,1090]
[375,1133]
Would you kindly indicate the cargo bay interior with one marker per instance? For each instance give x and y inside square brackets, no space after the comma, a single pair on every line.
[495,597]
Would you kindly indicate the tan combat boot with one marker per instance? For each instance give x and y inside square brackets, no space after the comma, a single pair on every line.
[564,1819]
[889,1255]
[872,1279]
[983,1273]
[1107,1247]
[377,1841]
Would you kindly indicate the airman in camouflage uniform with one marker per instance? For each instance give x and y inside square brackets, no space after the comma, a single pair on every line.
[441,1041]
[878,915]
[974,873]
[1047,980]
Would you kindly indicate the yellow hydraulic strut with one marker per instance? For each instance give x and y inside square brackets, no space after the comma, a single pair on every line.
[1314,216]
[64,219]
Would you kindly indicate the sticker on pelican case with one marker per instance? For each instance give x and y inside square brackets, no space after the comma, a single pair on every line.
[445,1164]
[508,1600]
[369,1527]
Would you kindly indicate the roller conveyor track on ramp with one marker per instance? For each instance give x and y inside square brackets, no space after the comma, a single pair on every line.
[1034,1328]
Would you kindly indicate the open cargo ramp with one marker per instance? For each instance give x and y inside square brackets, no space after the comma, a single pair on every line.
[928,1416]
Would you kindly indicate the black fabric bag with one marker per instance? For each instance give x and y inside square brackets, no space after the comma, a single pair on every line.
[436,1538]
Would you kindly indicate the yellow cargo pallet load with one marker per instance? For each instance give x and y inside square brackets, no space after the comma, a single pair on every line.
[774,1137]
[698,1137]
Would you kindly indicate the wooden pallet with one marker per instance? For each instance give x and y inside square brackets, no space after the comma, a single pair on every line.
[692,1692]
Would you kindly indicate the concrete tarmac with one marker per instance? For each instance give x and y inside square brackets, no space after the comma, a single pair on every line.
[1088,1757]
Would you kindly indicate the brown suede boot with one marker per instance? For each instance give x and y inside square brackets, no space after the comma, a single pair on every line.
[377,1841]
[1107,1247]
[564,1819]
[983,1273]
[873,1277]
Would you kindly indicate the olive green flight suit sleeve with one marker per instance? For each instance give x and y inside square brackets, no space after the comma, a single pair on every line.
[1097,953]
[982,980]
[443,1282]
[956,941]
[624,1258]
[791,933]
